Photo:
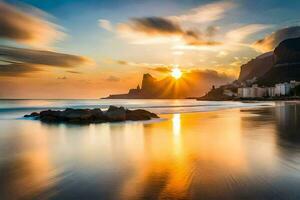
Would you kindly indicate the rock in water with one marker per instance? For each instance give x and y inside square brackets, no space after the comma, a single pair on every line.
[34,115]
[86,116]
[139,114]
[116,114]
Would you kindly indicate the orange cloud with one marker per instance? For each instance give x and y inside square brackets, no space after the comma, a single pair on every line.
[113,79]
[162,69]
[271,41]
[207,13]
[241,33]
[19,61]
[40,57]
[32,29]
[17,69]
[160,29]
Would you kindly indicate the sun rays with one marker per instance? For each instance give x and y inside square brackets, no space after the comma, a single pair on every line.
[176,73]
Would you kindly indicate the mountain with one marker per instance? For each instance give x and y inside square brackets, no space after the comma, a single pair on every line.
[286,63]
[256,67]
[288,52]
[191,84]
[281,65]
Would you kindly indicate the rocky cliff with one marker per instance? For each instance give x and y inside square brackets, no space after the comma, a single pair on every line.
[286,63]
[257,67]
[281,65]
[288,52]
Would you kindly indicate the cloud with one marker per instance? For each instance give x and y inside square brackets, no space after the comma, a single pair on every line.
[271,41]
[176,29]
[62,78]
[17,69]
[21,62]
[162,69]
[222,54]
[27,25]
[122,62]
[40,57]
[241,33]
[211,75]
[194,38]
[105,24]
[159,30]
[113,79]
[155,26]
[73,72]
[207,13]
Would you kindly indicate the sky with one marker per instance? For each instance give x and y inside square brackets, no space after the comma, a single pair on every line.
[93,48]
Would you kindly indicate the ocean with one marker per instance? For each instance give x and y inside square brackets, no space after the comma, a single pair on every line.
[17,108]
[196,150]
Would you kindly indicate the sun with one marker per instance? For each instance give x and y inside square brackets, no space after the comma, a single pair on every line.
[176,73]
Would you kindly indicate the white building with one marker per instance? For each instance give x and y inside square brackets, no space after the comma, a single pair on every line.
[246,92]
[271,91]
[252,92]
[282,89]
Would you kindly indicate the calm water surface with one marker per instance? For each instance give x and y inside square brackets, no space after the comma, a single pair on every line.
[246,152]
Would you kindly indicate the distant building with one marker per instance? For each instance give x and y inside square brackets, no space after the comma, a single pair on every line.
[271,91]
[240,92]
[135,91]
[294,84]
[252,92]
[282,89]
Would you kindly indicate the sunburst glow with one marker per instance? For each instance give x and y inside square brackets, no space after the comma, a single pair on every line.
[176,73]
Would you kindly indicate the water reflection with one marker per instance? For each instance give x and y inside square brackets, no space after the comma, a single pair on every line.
[231,154]
[26,168]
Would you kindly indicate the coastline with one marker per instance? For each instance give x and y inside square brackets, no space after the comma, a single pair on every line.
[251,99]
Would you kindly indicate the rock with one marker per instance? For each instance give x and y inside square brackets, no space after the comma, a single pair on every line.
[85,116]
[50,116]
[116,113]
[256,67]
[77,114]
[34,114]
[139,114]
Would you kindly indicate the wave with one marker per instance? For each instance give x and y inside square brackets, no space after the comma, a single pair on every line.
[162,107]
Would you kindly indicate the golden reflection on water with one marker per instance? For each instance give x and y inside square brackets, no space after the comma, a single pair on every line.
[206,146]
[31,171]
[183,157]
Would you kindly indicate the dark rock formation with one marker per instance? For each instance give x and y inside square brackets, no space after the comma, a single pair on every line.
[257,67]
[287,63]
[136,115]
[34,114]
[216,94]
[116,113]
[86,116]
[148,82]
[288,52]
[282,65]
